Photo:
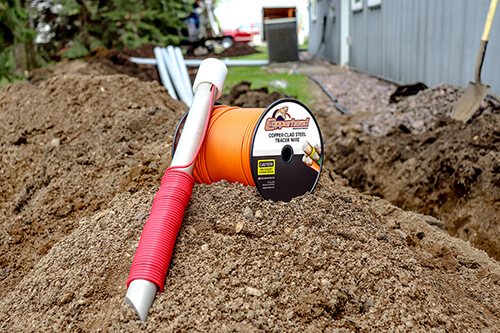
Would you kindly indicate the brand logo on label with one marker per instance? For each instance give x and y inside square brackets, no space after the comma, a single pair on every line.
[281,119]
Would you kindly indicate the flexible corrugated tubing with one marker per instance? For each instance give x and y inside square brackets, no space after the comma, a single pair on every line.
[224,153]
[156,245]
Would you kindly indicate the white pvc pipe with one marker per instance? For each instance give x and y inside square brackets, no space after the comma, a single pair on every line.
[162,70]
[144,61]
[193,128]
[184,74]
[140,296]
[229,62]
[168,65]
[141,293]
[197,62]
[175,74]
[173,65]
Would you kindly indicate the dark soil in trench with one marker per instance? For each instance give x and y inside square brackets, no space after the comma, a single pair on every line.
[82,158]
[414,155]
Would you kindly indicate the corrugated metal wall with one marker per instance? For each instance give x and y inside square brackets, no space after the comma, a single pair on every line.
[430,41]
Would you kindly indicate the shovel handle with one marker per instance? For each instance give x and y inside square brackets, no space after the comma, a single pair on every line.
[484,40]
[489,20]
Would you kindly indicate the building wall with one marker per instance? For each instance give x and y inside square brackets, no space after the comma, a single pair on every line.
[405,41]
[327,20]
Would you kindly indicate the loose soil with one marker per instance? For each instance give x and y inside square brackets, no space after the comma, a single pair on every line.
[82,158]
[414,155]
[107,62]
[68,146]
[237,50]
[242,95]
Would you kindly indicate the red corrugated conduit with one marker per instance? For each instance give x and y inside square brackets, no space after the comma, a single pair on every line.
[156,245]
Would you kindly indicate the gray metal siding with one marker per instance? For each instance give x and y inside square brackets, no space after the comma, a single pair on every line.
[431,41]
[333,32]
[331,49]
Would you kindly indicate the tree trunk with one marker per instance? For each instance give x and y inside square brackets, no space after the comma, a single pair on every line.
[20,53]
[26,52]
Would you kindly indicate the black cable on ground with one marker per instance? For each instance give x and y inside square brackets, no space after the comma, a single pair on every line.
[326,91]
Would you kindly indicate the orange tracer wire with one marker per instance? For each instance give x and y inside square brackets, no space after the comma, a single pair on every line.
[225,153]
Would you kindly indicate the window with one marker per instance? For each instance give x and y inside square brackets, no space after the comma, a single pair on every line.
[374,3]
[356,5]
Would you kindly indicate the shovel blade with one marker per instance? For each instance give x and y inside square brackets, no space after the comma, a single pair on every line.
[470,101]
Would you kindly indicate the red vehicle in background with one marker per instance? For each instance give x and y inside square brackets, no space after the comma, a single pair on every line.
[243,34]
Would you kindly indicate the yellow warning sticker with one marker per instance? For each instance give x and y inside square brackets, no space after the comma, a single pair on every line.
[266,167]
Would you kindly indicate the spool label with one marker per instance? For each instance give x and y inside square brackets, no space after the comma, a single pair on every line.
[288,136]
[266,167]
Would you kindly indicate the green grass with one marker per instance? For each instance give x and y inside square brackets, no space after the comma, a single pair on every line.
[4,81]
[299,85]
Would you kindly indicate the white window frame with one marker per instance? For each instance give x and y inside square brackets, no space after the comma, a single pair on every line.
[356,5]
[374,3]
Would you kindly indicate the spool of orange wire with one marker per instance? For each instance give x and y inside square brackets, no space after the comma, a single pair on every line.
[260,147]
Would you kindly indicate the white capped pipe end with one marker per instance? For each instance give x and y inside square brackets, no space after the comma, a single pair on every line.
[213,71]
[140,296]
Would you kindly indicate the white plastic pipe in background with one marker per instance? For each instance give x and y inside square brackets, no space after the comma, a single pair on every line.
[229,62]
[167,63]
[144,61]
[141,293]
[184,73]
[175,74]
[197,62]
[162,70]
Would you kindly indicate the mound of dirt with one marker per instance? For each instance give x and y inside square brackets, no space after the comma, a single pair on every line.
[82,158]
[66,67]
[68,146]
[144,51]
[117,62]
[242,95]
[236,50]
[414,155]
[108,62]
[103,63]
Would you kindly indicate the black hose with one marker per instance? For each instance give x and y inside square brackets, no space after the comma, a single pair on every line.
[326,91]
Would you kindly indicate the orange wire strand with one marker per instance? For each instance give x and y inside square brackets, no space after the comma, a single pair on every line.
[225,153]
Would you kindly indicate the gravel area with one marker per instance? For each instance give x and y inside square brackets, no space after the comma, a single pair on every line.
[358,92]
